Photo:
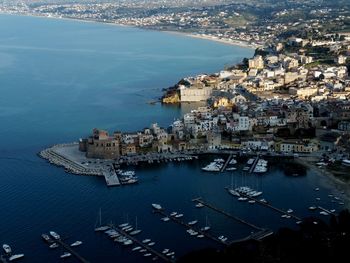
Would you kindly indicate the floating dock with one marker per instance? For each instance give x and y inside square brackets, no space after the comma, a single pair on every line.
[70,250]
[200,200]
[253,165]
[226,163]
[180,222]
[326,210]
[145,246]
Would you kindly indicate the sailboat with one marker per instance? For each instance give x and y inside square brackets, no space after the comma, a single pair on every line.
[207,227]
[232,190]
[136,231]
[100,227]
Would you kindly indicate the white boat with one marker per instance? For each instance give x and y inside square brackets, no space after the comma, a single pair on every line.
[324,213]
[101,228]
[233,161]
[136,248]
[17,256]
[179,215]
[222,238]
[65,255]
[128,242]
[145,241]
[157,206]
[135,232]
[7,249]
[165,219]
[263,201]
[231,168]
[191,223]
[251,201]
[207,227]
[290,211]
[54,245]
[151,244]
[166,250]
[55,235]
[170,254]
[143,250]
[242,199]
[76,243]
[200,236]
[219,160]
[46,238]
[199,205]
[147,255]
[312,208]
[173,213]
[124,225]
[346,162]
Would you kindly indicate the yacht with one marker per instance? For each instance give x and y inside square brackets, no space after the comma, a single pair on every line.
[165,219]
[145,241]
[7,248]
[191,223]
[147,255]
[101,228]
[151,244]
[324,213]
[124,225]
[136,231]
[173,213]
[128,242]
[312,208]
[76,243]
[54,245]
[55,235]
[17,256]
[231,168]
[251,201]
[65,255]
[290,211]
[222,238]
[170,254]
[179,215]
[46,238]
[166,250]
[233,161]
[199,205]
[142,250]
[157,206]
[346,162]
[136,248]
[206,228]
[200,236]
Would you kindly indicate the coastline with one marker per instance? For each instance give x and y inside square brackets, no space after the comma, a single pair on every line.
[329,176]
[232,42]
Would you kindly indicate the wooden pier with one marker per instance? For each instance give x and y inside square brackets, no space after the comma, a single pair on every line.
[226,163]
[200,200]
[180,222]
[70,250]
[145,246]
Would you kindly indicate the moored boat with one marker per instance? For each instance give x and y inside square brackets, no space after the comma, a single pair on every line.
[55,235]
[65,255]
[157,206]
[76,243]
[17,256]
[7,249]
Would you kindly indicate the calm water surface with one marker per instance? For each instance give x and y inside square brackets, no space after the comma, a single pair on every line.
[58,80]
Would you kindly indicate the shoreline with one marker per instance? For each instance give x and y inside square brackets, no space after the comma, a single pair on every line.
[233,42]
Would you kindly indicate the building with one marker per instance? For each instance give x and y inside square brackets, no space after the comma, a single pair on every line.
[256,63]
[193,94]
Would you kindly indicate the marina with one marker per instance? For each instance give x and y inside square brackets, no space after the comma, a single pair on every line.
[71,251]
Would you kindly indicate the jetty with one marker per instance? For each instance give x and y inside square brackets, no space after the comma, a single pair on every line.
[236,218]
[226,163]
[143,245]
[272,207]
[70,250]
[111,178]
[186,225]
[253,165]
[326,210]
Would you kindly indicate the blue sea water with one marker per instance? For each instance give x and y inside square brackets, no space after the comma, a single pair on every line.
[58,80]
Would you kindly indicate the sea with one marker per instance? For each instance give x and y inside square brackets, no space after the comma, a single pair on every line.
[59,79]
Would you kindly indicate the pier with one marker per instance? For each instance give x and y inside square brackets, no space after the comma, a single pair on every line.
[180,222]
[145,246]
[253,165]
[111,178]
[272,207]
[200,200]
[226,163]
[70,250]
[326,210]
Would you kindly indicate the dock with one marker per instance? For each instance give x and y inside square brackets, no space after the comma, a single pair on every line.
[253,165]
[326,210]
[272,207]
[70,250]
[226,163]
[258,236]
[180,222]
[145,246]
[111,178]
[236,218]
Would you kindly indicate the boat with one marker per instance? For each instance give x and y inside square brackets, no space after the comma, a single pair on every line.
[54,245]
[7,248]
[17,256]
[170,254]
[233,161]
[251,201]
[222,238]
[263,201]
[312,208]
[173,213]
[346,162]
[147,255]
[151,244]
[290,211]
[220,160]
[128,242]
[179,215]
[324,213]
[124,225]
[231,168]
[200,236]
[143,250]
[76,243]
[65,255]
[55,235]
[145,241]
[101,228]
[191,223]
[136,248]
[166,250]
[242,199]
[157,206]
[199,205]
[46,238]
[136,231]
[128,229]
[207,227]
